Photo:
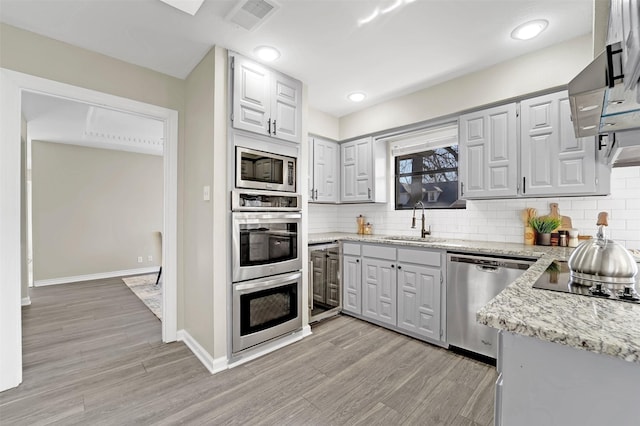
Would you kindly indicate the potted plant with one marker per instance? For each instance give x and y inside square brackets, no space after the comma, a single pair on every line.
[544,226]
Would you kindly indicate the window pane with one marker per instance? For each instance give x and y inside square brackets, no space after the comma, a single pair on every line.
[429,176]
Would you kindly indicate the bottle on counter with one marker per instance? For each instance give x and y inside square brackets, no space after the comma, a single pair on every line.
[360,223]
[368,229]
[573,237]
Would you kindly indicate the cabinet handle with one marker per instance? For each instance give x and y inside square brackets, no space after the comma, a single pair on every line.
[524,185]
[269,124]
[274,127]
[462,189]
[369,193]
[399,267]
[311,196]
[357,260]
[393,266]
[316,196]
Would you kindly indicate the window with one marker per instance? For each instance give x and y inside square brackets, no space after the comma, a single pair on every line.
[426,169]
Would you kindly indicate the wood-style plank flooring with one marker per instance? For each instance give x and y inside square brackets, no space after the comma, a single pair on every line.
[92,354]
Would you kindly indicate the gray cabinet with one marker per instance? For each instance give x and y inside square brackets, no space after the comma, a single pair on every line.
[324,170]
[554,161]
[420,284]
[488,162]
[351,279]
[265,101]
[357,163]
[379,289]
[396,287]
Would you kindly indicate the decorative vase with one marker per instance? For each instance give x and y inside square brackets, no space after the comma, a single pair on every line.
[529,236]
[544,239]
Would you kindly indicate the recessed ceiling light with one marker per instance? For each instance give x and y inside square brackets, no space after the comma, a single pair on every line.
[267,53]
[529,30]
[356,96]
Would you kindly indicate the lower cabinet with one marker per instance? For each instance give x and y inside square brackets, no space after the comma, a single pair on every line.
[396,287]
[351,279]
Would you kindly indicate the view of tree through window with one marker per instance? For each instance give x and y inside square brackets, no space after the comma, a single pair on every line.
[429,176]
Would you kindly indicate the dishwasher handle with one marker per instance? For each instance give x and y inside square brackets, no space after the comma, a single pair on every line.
[492,264]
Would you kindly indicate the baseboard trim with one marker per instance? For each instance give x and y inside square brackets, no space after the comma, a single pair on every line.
[214,365]
[98,276]
[265,348]
[26,301]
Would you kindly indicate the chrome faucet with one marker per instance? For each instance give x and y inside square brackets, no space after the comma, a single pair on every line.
[423,232]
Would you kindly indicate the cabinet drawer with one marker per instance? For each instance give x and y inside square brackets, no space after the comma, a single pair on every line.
[351,249]
[421,257]
[380,252]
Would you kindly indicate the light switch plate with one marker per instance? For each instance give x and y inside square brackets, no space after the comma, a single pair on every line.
[206,193]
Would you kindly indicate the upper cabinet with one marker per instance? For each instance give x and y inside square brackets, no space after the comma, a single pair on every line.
[554,161]
[488,163]
[325,172]
[544,160]
[265,101]
[357,163]
[363,176]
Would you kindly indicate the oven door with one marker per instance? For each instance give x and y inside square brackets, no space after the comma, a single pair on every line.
[266,308]
[264,170]
[265,244]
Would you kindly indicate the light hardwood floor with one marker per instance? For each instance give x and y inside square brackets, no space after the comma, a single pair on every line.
[92,354]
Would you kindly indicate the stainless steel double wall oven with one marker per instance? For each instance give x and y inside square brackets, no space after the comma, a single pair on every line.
[266,248]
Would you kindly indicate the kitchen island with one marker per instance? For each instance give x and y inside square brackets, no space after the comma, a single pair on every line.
[563,359]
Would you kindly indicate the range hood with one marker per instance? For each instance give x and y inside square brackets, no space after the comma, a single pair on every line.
[602,104]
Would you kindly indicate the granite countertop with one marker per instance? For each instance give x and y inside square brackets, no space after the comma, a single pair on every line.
[596,325]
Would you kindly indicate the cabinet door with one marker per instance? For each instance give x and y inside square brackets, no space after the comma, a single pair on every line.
[333,279]
[379,291]
[286,108]
[357,163]
[325,165]
[554,161]
[488,153]
[318,258]
[352,284]
[251,95]
[419,300]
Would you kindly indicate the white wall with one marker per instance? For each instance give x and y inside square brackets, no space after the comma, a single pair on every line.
[541,70]
[94,210]
[497,220]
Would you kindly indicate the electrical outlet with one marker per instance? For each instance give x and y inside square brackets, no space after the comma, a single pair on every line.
[139,259]
[150,258]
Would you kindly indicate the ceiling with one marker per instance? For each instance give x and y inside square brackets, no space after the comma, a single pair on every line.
[415,45]
[60,120]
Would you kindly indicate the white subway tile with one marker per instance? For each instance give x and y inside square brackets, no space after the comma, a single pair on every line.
[584,205]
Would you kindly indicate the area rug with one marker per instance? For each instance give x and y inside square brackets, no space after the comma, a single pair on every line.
[144,287]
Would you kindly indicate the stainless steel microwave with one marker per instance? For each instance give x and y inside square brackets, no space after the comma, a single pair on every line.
[264,170]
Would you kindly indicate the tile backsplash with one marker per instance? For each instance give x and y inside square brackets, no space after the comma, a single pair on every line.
[497,220]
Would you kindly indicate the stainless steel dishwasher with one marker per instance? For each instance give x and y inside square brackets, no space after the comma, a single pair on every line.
[472,281]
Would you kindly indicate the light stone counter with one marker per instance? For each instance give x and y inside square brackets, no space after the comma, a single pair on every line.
[587,323]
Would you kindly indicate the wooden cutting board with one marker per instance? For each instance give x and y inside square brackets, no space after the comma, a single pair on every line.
[565,221]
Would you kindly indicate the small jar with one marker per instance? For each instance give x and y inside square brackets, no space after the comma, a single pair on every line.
[555,239]
[368,229]
[563,240]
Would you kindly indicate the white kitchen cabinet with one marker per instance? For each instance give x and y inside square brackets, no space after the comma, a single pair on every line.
[351,279]
[357,163]
[324,170]
[265,101]
[379,289]
[544,160]
[420,283]
[554,161]
[396,287]
[488,161]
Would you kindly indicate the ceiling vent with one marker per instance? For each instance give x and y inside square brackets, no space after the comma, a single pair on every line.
[250,14]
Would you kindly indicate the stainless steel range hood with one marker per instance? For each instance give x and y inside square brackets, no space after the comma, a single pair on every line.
[600,105]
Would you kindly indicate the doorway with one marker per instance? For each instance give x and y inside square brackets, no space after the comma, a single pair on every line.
[13,85]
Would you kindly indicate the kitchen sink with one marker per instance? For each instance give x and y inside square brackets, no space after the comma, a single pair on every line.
[440,241]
